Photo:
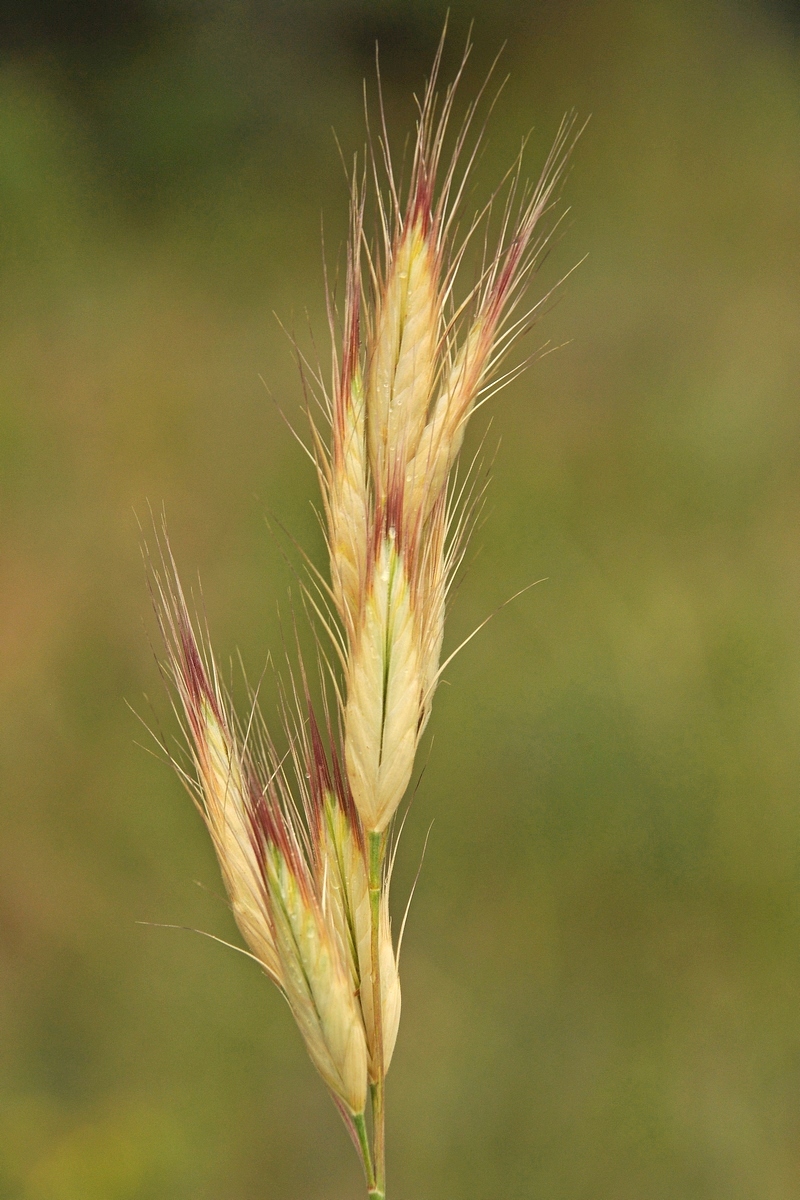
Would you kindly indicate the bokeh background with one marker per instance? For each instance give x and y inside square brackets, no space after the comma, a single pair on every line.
[601,963]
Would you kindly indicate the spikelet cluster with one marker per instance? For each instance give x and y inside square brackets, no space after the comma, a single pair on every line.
[414,364]
[300,924]
[302,839]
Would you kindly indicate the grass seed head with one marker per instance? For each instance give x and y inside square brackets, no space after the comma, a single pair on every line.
[415,363]
[292,832]
[262,848]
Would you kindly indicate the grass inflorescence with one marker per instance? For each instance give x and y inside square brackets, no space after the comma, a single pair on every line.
[303,838]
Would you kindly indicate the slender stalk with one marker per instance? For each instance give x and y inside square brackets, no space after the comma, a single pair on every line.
[366,1156]
[376,846]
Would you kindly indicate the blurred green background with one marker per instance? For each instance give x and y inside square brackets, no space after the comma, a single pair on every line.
[601,963]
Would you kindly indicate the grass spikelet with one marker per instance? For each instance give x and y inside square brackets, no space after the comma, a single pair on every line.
[261,848]
[402,358]
[315,980]
[222,786]
[343,477]
[384,683]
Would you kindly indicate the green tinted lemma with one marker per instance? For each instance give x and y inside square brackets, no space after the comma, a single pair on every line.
[316,983]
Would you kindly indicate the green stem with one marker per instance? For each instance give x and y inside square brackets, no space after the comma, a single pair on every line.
[366,1156]
[376,846]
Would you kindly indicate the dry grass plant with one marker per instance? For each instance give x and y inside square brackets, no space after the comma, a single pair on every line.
[304,838]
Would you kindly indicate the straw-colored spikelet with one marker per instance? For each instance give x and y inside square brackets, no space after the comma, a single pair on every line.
[406,332]
[345,489]
[273,888]
[343,874]
[413,366]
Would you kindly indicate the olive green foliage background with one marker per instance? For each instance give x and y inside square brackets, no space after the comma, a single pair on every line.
[601,963]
